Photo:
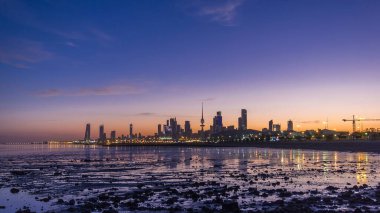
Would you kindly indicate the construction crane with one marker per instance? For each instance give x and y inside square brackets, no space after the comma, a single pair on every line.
[358,119]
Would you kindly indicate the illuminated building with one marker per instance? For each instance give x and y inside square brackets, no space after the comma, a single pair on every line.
[276,127]
[290,125]
[270,126]
[101,133]
[218,122]
[131,131]
[159,131]
[113,135]
[242,122]
[188,130]
[174,128]
[87,135]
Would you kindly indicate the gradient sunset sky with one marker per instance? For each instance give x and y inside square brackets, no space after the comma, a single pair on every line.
[67,63]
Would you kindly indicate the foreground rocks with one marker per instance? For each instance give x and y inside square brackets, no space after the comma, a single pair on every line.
[200,180]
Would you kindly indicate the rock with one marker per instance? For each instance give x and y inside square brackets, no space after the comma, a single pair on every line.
[57,174]
[230,206]
[132,205]
[103,197]
[24,210]
[72,202]
[331,188]
[284,193]
[19,172]
[46,199]
[14,190]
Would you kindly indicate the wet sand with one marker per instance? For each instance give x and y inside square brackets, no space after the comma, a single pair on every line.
[78,178]
[341,146]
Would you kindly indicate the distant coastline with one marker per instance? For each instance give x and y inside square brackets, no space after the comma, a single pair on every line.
[341,146]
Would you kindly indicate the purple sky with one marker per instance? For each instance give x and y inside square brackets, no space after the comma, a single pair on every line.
[66,63]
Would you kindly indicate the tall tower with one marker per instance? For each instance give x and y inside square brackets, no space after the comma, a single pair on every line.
[130,131]
[188,130]
[244,119]
[87,135]
[270,126]
[218,122]
[159,131]
[101,133]
[113,135]
[174,128]
[290,126]
[202,125]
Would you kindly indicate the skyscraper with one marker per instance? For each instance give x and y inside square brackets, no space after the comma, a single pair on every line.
[240,123]
[277,127]
[113,135]
[130,131]
[244,119]
[159,130]
[101,134]
[87,135]
[270,126]
[174,128]
[188,130]
[290,125]
[218,122]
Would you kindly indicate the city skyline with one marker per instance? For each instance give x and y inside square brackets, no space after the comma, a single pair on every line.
[175,130]
[115,63]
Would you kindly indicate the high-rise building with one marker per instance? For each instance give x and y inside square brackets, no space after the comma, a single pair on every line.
[290,125]
[218,122]
[178,131]
[87,135]
[131,131]
[101,133]
[277,127]
[174,128]
[166,130]
[270,126]
[113,135]
[243,119]
[240,123]
[188,130]
[159,130]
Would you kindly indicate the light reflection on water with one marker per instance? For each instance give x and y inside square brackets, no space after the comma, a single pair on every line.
[242,159]
[122,166]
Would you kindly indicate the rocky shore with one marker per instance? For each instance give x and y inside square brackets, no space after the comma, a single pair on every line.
[190,179]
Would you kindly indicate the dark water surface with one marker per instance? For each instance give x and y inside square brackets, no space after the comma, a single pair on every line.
[95,178]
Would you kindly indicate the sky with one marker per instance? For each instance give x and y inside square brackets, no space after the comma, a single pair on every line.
[67,63]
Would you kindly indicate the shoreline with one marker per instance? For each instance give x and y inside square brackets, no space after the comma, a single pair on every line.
[341,146]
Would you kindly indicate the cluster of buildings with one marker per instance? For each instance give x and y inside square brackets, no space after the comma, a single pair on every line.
[172,131]
[113,138]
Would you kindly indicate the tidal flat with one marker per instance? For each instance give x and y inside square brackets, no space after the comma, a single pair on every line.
[78,178]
